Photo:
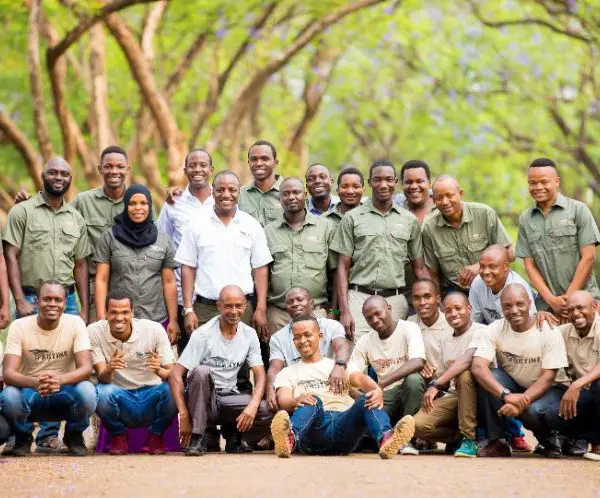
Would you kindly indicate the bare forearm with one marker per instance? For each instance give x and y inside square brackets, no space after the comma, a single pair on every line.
[275,366]
[170,295]
[81,283]
[4,289]
[409,367]
[362,382]
[486,379]
[341,351]
[259,388]
[188,279]
[16,379]
[419,268]
[342,283]
[177,391]
[261,284]
[536,278]
[540,386]
[78,375]
[14,273]
[582,273]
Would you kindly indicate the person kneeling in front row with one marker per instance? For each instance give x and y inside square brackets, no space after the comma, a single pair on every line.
[324,423]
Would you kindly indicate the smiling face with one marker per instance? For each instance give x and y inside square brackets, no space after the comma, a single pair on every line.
[57,177]
[447,196]
[415,186]
[198,169]
[261,162]
[292,196]
[493,269]
[350,190]
[138,208]
[307,338]
[543,184]
[119,315]
[458,311]
[298,302]
[515,306]
[114,170]
[425,300]
[226,191]
[232,305]
[383,183]
[318,181]
[580,307]
[378,314]
[51,301]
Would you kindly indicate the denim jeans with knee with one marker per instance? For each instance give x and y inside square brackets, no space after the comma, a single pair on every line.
[72,403]
[321,432]
[148,406]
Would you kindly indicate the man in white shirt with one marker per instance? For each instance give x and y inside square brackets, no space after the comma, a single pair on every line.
[132,359]
[283,353]
[212,360]
[530,360]
[186,205]
[222,247]
[323,422]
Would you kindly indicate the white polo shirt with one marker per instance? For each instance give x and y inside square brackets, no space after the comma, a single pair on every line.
[223,254]
[174,220]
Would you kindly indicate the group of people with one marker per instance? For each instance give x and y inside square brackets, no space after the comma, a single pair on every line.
[320,325]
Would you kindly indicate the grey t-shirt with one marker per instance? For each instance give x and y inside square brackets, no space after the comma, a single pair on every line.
[281,345]
[208,347]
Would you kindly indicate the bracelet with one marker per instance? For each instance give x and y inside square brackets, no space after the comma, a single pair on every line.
[334,312]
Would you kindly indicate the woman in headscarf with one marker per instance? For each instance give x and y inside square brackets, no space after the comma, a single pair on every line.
[138,259]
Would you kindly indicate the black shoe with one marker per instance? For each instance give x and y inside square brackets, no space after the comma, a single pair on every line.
[235,444]
[213,440]
[552,447]
[575,447]
[22,445]
[75,443]
[539,450]
[197,445]
[452,446]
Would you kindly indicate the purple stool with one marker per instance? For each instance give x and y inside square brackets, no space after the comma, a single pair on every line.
[137,438]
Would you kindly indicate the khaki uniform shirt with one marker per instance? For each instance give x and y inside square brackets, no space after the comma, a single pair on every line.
[583,352]
[299,258]
[448,250]
[433,337]
[554,242]
[379,245]
[49,241]
[263,206]
[99,213]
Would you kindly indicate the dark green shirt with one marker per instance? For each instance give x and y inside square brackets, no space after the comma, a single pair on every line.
[262,206]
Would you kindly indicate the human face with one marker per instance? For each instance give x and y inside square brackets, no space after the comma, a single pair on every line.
[57,178]
[543,184]
[581,311]
[138,208]
[379,318]
[448,198]
[350,190]
[515,306]
[51,302]
[415,186]
[458,312]
[292,196]
[226,191]
[114,170]
[318,181]
[493,271]
[198,169]
[261,162]
[307,338]
[298,303]
[119,316]
[383,183]
[425,300]
[232,308]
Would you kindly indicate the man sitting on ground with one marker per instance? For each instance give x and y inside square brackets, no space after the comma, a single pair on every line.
[322,422]
[132,359]
[212,360]
[46,370]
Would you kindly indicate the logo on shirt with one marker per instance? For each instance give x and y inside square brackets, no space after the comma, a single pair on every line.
[218,362]
[477,236]
[313,385]
[46,355]
[387,363]
[520,360]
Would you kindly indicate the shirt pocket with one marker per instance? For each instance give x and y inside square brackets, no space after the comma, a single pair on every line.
[273,213]
[564,237]
[475,246]
[365,236]
[38,237]
[155,256]
[69,235]
[399,238]
[536,242]
[315,256]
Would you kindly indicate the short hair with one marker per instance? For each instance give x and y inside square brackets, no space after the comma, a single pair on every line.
[198,149]
[415,164]
[318,164]
[264,142]
[458,294]
[429,281]
[223,173]
[543,162]
[112,149]
[50,281]
[382,163]
[303,318]
[117,295]
[350,170]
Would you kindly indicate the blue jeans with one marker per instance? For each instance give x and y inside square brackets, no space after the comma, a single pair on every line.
[320,432]
[149,406]
[49,429]
[533,418]
[73,403]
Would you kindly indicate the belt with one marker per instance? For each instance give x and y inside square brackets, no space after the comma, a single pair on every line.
[213,302]
[32,291]
[378,292]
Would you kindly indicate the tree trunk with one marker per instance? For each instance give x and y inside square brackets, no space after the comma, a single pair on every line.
[103,136]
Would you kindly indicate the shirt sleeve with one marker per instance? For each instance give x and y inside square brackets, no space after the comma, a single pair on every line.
[97,354]
[163,346]
[415,244]
[195,351]
[486,345]
[337,330]
[522,250]
[275,350]
[103,253]
[81,340]
[359,361]
[431,260]
[343,238]
[14,343]
[260,254]
[14,230]
[414,339]
[165,222]
[554,353]
[187,252]
[476,313]
[83,248]
[587,230]
[254,358]
[283,379]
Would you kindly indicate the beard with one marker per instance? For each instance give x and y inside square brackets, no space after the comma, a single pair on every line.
[54,192]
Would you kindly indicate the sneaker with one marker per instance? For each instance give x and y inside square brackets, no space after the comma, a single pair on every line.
[75,443]
[520,444]
[409,449]
[593,454]
[154,445]
[119,445]
[468,448]
[197,446]
[575,447]
[22,445]
[495,449]
[397,438]
[283,437]
[50,446]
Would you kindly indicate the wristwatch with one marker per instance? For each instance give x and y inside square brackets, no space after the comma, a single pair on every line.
[504,393]
[187,311]
[433,383]
[340,363]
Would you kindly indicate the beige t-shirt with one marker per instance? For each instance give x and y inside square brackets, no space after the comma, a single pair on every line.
[311,378]
[387,356]
[433,337]
[146,337]
[47,350]
[523,355]
[583,352]
[454,347]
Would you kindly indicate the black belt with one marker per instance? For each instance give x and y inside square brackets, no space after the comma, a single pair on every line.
[213,302]
[32,291]
[378,292]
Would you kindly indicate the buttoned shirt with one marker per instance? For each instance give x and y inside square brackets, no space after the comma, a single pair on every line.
[49,241]
[449,249]
[263,206]
[334,201]
[379,245]
[554,242]
[223,254]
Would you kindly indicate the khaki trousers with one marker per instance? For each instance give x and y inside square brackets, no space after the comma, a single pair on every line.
[452,415]
[278,318]
[355,302]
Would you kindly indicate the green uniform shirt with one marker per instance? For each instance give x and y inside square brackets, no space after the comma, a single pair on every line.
[49,241]
[554,242]
[99,213]
[448,250]
[379,245]
[299,258]
[263,206]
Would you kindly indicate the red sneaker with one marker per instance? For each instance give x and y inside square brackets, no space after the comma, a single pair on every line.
[154,445]
[518,443]
[119,445]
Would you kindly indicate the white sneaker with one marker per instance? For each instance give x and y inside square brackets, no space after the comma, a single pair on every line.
[590,455]
[409,449]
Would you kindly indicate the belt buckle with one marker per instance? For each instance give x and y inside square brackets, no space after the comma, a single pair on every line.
[375,292]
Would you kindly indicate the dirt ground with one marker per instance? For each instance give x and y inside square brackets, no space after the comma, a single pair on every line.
[264,475]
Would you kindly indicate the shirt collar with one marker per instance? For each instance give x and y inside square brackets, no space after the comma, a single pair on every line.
[100,194]
[135,334]
[309,219]
[188,195]
[369,205]
[560,201]
[467,217]
[276,185]
[39,201]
